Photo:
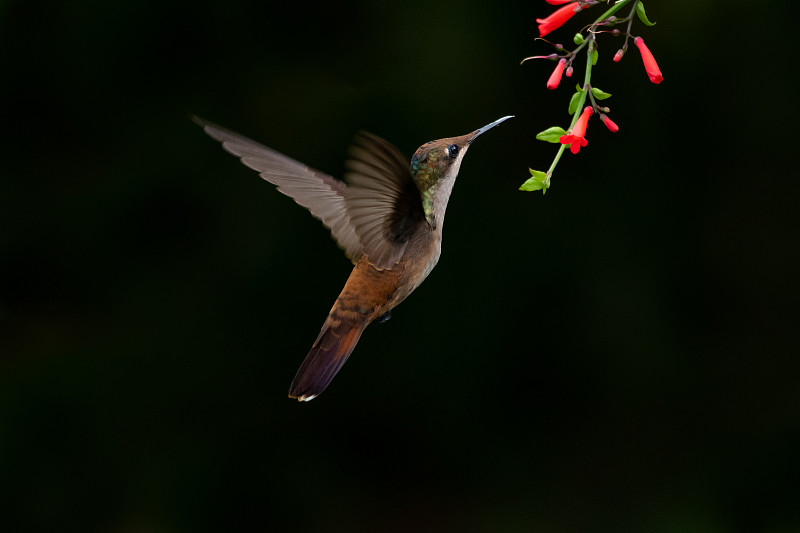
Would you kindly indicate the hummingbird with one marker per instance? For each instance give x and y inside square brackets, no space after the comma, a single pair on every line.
[387,215]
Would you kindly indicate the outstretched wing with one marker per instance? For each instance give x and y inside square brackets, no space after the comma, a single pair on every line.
[321,194]
[374,213]
[382,200]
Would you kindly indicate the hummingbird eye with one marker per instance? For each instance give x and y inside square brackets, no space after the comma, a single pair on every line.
[452,150]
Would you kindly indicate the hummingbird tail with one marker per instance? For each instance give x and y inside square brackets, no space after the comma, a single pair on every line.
[335,343]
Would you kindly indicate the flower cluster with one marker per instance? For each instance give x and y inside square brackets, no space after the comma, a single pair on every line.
[574,137]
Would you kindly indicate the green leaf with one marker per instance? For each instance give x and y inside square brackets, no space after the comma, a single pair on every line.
[595,55]
[578,39]
[573,102]
[551,135]
[643,15]
[600,95]
[539,181]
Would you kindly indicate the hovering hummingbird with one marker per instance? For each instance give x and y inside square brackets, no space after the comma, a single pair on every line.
[386,215]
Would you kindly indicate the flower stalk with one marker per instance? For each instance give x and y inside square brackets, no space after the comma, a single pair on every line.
[581,111]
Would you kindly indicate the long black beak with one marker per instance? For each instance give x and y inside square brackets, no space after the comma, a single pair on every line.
[486,128]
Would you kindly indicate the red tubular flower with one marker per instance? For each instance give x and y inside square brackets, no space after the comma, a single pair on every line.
[555,77]
[610,124]
[577,138]
[618,55]
[558,18]
[558,2]
[650,65]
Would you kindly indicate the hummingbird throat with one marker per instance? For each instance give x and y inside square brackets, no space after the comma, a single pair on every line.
[423,171]
[427,206]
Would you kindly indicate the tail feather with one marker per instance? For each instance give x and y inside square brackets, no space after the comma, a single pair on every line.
[335,343]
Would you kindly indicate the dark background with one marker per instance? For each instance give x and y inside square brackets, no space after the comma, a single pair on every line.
[618,355]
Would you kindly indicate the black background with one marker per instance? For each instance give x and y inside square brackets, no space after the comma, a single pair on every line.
[618,355]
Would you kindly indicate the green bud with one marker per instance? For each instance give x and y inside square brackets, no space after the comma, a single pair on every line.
[578,39]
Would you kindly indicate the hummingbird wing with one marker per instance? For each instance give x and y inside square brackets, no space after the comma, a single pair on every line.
[322,195]
[382,200]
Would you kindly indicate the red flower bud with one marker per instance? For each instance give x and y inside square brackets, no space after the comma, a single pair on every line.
[610,124]
[569,72]
[649,61]
[577,137]
[558,2]
[558,18]
[618,55]
[555,77]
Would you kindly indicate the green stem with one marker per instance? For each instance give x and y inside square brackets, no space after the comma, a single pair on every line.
[630,23]
[587,78]
[554,163]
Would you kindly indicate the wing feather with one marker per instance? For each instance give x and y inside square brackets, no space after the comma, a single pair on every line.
[382,200]
[374,213]
[323,195]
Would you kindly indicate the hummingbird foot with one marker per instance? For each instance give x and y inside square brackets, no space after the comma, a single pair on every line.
[384,317]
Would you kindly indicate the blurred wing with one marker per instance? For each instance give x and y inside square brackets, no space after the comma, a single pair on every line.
[321,194]
[382,200]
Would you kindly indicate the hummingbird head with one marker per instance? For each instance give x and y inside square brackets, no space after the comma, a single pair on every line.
[434,168]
